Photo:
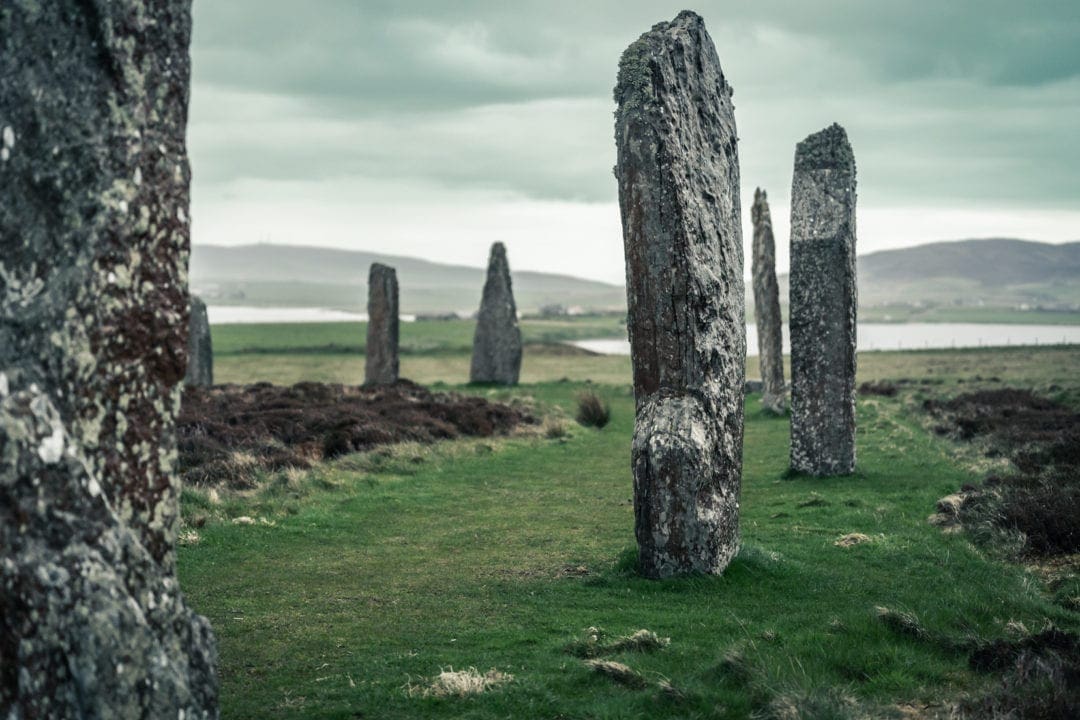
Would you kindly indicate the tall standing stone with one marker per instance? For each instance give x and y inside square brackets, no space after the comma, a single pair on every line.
[822,306]
[678,174]
[497,343]
[767,307]
[93,347]
[200,368]
[381,363]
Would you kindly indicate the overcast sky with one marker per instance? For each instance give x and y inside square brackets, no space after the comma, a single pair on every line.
[433,128]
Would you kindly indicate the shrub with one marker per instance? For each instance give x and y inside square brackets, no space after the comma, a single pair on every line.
[593,411]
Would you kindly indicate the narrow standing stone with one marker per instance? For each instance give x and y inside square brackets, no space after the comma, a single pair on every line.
[94,244]
[767,308]
[678,174]
[823,305]
[200,368]
[381,366]
[497,343]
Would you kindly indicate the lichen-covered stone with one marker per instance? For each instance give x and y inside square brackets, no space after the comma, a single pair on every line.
[823,305]
[496,354]
[767,308]
[200,367]
[381,362]
[93,327]
[678,174]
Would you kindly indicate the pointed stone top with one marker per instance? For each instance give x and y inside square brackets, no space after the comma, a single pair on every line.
[760,209]
[827,149]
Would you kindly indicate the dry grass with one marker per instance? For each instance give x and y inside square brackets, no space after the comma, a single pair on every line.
[595,642]
[458,683]
[556,428]
[901,623]
[187,538]
[618,672]
[852,539]
[803,704]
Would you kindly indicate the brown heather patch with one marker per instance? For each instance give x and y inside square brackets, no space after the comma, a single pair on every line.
[228,433]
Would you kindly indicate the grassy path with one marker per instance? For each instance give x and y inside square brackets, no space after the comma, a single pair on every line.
[495,555]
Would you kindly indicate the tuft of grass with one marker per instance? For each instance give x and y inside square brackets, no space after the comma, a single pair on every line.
[556,429]
[593,410]
[458,683]
[901,623]
[595,642]
[619,673]
[187,538]
[814,704]
[852,539]
[815,500]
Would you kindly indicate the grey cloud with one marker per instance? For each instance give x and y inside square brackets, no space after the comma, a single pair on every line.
[969,99]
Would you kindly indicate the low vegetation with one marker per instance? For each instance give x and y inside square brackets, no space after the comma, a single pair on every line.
[593,410]
[229,432]
[359,581]
[1032,508]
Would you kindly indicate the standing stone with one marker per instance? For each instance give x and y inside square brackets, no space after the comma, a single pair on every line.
[823,305]
[94,242]
[497,343]
[767,307]
[381,366]
[678,174]
[200,368]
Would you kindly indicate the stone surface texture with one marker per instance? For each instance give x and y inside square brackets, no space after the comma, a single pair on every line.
[823,305]
[496,354]
[767,308]
[93,348]
[381,361]
[200,367]
[678,175]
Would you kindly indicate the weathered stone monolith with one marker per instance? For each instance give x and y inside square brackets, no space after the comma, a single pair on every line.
[767,308]
[381,366]
[200,368]
[496,354]
[678,174]
[94,244]
[823,304]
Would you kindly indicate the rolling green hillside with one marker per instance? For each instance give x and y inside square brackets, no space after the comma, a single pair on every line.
[993,280]
[292,276]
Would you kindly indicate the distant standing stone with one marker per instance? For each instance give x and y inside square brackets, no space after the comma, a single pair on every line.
[200,367]
[94,239]
[381,366]
[823,305]
[678,174]
[767,307]
[497,343]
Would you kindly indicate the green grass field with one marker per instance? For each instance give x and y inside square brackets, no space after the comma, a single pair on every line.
[363,578]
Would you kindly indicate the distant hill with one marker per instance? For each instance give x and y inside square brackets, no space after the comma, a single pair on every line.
[990,273]
[993,272]
[295,276]
[989,262]
[901,284]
